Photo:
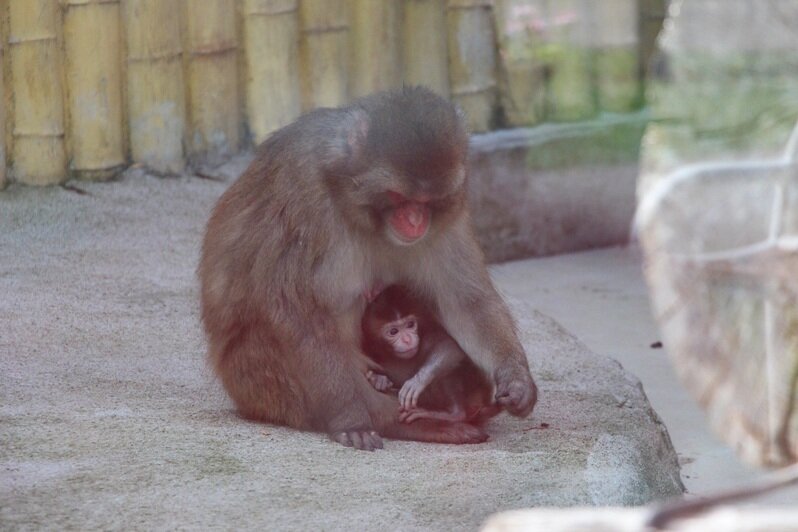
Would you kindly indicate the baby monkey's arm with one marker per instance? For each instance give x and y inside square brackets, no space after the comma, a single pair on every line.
[442,355]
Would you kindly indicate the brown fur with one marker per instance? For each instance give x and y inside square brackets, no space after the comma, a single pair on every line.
[295,241]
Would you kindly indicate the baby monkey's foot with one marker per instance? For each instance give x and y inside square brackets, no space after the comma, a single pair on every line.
[380,382]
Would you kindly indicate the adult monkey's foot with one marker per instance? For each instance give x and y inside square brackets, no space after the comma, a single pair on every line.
[363,440]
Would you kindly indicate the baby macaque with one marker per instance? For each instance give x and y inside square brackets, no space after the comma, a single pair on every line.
[434,377]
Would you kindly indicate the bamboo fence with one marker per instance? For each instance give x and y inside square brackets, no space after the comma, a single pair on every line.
[38,151]
[472,60]
[273,93]
[211,64]
[324,57]
[566,52]
[616,60]
[424,45]
[376,50]
[155,85]
[92,49]
[522,68]
[89,87]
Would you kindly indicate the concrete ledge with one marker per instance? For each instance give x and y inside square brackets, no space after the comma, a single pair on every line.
[727,519]
[110,418]
[555,188]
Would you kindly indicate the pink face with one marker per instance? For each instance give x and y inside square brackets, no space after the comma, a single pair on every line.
[402,335]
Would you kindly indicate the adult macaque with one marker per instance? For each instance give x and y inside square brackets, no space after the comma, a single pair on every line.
[436,380]
[336,203]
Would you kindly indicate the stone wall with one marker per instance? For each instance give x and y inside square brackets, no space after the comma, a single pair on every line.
[555,188]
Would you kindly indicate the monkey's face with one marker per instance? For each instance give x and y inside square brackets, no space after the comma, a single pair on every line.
[405,209]
[402,336]
[406,155]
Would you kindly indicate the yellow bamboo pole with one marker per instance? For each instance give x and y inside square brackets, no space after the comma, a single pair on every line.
[271,42]
[3,123]
[616,55]
[566,52]
[651,14]
[324,52]
[522,87]
[212,64]
[472,60]
[39,154]
[424,45]
[376,54]
[156,99]
[94,87]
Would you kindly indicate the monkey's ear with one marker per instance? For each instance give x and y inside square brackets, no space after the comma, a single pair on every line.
[348,153]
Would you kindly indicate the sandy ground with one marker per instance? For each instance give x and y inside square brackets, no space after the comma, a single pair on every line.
[109,417]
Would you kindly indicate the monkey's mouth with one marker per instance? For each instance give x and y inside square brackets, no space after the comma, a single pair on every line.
[408,353]
[409,222]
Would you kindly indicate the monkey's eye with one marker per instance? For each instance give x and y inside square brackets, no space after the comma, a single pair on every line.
[411,324]
[394,331]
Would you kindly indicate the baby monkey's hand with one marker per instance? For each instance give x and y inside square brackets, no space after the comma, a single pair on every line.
[380,382]
[410,392]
